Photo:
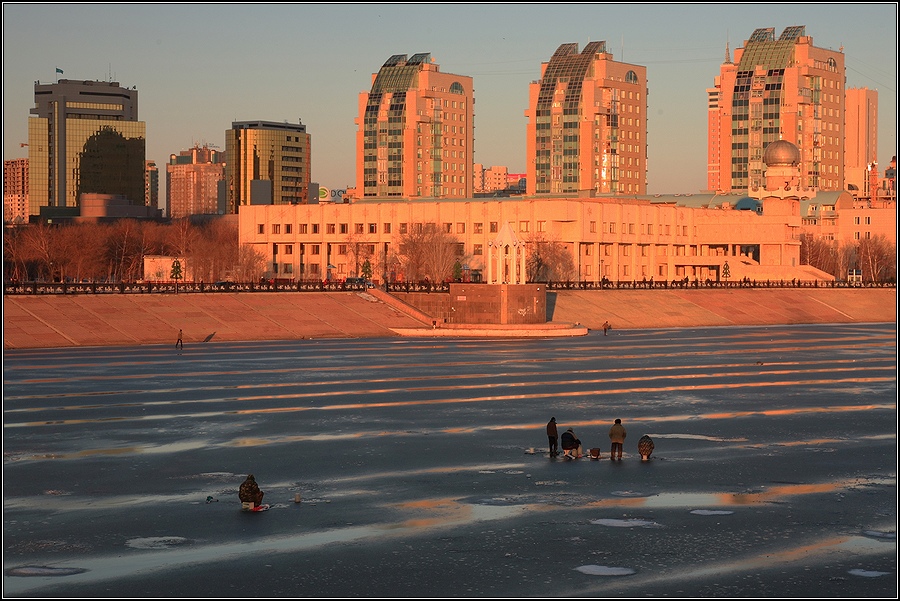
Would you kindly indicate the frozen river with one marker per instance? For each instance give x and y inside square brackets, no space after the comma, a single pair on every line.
[422,467]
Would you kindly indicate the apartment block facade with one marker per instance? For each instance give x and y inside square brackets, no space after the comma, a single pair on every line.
[84,137]
[15,191]
[268,163]
[861,142]
[587,124]
[192,182]
[781,88]
[415,132]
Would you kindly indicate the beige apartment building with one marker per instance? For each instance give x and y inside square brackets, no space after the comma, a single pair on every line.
[415,132]
[587,124]
[15,191]
[861,142]
[781,88]
[192,182]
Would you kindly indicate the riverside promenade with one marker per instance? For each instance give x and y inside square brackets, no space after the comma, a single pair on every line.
[51,321]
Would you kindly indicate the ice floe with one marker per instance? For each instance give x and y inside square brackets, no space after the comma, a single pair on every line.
[595,570]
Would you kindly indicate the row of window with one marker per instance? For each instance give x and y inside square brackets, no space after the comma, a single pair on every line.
[477,228]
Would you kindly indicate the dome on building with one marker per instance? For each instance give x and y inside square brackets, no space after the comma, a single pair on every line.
[781,152]
[748,204]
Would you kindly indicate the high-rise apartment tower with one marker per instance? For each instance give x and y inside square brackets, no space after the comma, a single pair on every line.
[84,137]
[415,132]
[777,89]
[15,191]
[587,124]
[192,182]
[268,163]
[861,141]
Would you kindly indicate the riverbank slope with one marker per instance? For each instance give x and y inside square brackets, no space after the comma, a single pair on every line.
[49,321]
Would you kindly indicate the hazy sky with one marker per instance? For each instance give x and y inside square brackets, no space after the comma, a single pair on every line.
[199,67]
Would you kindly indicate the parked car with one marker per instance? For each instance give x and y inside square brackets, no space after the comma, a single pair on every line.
[360,282]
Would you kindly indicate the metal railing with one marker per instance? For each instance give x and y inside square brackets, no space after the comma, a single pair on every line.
[42,288]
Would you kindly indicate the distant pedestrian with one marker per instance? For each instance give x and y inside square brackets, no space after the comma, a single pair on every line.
[179,344]
[617,438]
[606,327]
[553,437]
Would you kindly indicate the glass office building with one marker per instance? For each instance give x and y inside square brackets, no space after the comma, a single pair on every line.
[84,137]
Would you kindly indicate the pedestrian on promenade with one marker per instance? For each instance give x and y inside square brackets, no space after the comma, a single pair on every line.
[606,327]
[179,344]
[553,436]
[617,438]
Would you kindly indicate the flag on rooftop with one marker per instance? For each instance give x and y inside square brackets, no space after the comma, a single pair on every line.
[58,70]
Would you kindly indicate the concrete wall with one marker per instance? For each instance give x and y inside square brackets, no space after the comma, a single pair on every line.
[498,303]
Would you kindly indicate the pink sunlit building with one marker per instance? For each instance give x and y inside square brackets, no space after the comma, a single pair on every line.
[587,124]
[415,132]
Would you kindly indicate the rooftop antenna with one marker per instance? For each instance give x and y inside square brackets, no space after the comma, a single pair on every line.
[622,59]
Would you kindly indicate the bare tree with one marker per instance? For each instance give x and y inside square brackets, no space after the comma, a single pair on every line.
[876,259]
[251,264]
[547,259]
[427,251]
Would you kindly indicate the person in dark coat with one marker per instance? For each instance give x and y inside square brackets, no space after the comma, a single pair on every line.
[250,493]
[570,444]
[553,437]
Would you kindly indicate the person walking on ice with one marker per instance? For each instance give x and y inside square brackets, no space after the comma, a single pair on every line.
[606,327]
[179,344]
[617,438]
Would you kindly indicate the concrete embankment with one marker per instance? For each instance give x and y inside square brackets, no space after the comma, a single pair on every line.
[47,321]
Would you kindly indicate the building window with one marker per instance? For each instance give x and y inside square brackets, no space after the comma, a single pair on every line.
[479,228]
[330,228]
[342,249]
[373,228]
[288,268]
[460,228]
[588,249]
[387,228]
[345,228]
[276,227]
[315,228]
[287,228]
[493,227]
[593,227]
[612,227]
[448,227]
[403,229]
[542,226]
[314,249]
[261,229]
[478,249]
[303,228]
[523,226]
[359,228]
[288,249]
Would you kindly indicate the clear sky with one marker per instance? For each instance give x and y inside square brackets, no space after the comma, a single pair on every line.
[199,67]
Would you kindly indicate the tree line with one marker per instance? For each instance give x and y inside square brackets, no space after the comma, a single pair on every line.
[114,252]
